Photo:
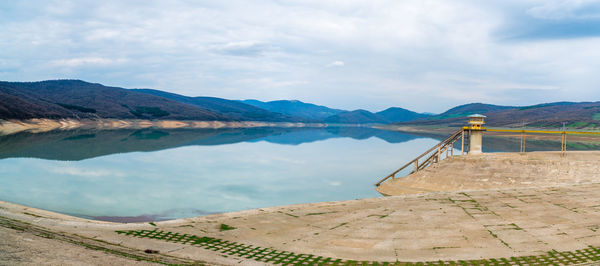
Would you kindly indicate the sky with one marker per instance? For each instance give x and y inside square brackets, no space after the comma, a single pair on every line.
[424,55]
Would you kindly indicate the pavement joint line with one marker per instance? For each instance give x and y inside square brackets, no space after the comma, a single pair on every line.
[260,254]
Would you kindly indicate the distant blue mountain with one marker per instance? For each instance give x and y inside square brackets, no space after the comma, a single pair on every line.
[77,99]
[397,114]
[390,115]
[325,114]
[234,109]
[469,109]
[356,117]
[296,108]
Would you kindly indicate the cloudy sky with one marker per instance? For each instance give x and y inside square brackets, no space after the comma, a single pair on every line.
[425,55]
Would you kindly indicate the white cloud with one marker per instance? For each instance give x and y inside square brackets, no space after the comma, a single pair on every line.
[394,52]
[272,83]
[244,48]
[336,64]
[86,61]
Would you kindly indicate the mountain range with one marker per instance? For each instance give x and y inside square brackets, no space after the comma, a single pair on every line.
[58,99]
[78,99]
[578,115]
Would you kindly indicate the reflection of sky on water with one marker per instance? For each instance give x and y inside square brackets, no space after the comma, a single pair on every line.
[195,180]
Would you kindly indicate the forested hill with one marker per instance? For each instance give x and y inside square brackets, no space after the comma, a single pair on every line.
[329,115]
[234,109]
[78,99]
[58,99]
[579,115]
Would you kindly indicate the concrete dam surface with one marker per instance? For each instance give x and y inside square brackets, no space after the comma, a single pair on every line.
[509,208]
[500,170]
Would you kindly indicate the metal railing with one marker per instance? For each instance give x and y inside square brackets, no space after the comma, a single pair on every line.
[433,155]
[563,133]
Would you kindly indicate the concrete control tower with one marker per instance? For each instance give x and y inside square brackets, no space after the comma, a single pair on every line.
[476,128]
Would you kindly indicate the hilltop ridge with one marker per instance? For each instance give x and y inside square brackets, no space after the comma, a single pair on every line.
[578,115]
[77,99]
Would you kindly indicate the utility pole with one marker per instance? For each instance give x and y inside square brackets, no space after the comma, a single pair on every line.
[563,140]
[523,137]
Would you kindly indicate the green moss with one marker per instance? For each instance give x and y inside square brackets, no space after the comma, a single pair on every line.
[288,214]
[224,227]
[379,215]
[339,225]
[34,215]
[319,213]
[268,255]
[436,248]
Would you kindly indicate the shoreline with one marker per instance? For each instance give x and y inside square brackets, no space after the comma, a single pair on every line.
[8,127]
[40,125]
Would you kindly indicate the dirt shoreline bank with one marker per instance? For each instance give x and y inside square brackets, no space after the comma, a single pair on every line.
[8,127]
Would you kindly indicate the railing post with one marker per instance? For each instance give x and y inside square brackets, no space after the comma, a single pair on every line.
[462,144]
[439,154]
[563,143]
[416,166]
[523,141]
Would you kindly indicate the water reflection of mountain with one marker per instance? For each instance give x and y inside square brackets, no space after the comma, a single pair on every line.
[83,144]
[317,134]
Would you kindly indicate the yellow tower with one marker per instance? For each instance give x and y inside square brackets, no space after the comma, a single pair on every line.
[476,129]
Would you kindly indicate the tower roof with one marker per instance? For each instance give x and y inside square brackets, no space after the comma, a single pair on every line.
[476,115]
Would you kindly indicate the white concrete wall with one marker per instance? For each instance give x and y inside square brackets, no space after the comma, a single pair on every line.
[475,142]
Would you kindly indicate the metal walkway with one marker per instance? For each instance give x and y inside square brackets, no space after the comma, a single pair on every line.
[433,155]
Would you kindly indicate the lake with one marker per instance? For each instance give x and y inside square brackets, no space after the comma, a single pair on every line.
[156,174]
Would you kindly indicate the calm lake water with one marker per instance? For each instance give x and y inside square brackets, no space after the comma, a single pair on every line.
[144,175]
